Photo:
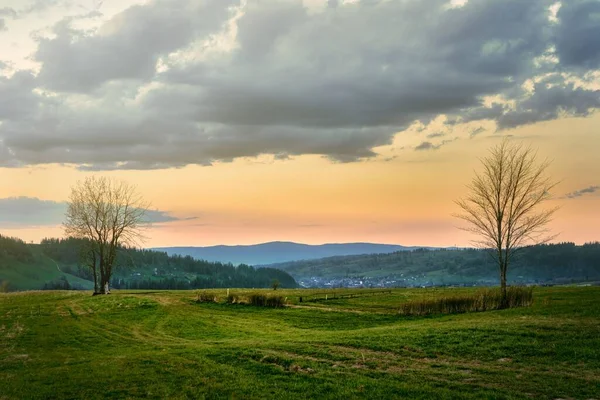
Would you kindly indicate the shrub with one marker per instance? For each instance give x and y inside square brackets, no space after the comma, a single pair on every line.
[483,300]
[257,299]
[205,297]
[262,300]
[275,301]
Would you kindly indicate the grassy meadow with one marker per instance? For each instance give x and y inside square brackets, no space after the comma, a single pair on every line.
[163,344]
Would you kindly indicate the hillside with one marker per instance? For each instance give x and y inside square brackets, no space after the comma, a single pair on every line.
[26,267]
[277,252]
[55,264]
[556,263]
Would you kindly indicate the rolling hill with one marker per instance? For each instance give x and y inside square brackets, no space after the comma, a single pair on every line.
[34,270]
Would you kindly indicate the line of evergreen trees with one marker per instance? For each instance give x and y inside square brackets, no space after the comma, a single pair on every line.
[15,248]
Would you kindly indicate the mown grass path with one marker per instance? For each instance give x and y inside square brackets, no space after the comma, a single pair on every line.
[164,345]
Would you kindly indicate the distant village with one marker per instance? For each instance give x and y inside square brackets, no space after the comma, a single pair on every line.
[416,281]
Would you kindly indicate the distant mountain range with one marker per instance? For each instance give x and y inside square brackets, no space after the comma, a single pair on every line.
[278,252]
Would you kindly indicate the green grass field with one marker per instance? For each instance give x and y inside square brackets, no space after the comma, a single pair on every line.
[165,345]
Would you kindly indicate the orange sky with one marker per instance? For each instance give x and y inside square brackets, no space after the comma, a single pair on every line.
[407,200]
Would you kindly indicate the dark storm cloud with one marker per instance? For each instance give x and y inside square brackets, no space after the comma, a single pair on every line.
[148,91]
[31,211]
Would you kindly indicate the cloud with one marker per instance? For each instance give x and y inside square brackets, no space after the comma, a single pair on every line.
[430,146]
[426,146]
[578,33]
[31,211]
[476,132]
[552,98]
[170,83]
[156,217]
[127,47]
[39,6]
[435,135]
[8,12]
[582,192]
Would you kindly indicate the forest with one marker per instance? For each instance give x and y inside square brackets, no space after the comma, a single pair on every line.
[135,268]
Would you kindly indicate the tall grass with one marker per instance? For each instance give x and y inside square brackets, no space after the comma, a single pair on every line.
[234,299]
[205,297]
[483,300]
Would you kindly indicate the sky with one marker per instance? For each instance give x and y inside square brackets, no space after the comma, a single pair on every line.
[312,121]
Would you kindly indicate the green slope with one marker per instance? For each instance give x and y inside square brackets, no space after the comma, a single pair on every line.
[33,274]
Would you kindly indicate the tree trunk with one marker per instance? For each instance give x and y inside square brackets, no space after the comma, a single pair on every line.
[103,289]
[504,301]
[95,279]
[502,264]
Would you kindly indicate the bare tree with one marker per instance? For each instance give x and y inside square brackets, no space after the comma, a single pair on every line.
[503,207]
[109,214]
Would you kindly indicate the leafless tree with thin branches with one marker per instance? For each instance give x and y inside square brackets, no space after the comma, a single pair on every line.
[108,213]
[503,206]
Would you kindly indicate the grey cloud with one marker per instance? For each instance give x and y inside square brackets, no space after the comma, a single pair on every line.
[28,211]
[578,34]
[31,211]
[430,146]
[476,132]
[435,135]
[8,12]
[582,192]
[17,100]
[2,25]
[336,83]
[482,113]
[155,216]
[549,102]
[426,146]
[76,61]
[553,96]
